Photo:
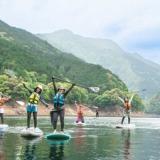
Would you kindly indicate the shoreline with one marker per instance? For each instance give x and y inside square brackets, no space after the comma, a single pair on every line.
[70,111]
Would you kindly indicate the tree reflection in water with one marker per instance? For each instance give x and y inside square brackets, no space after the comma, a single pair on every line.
[126,134]
[56,152]
[2,155]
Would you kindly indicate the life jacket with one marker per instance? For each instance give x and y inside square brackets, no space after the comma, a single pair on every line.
[80,112]
[34,98]
[58,100]
[127,105]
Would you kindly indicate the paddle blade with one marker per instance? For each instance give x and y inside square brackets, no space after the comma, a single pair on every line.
[20,103]
[94,89]
[95,107]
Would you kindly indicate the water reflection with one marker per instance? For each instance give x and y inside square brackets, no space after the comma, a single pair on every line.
[56,152]
[57,142]
[79,138]
[95,142]
[2,154]
[30,149]
[126,135]
[29,153]
[57,149]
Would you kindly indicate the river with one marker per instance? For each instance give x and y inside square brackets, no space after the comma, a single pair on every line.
[97,140]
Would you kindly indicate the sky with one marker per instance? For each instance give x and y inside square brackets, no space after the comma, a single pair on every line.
[133,24]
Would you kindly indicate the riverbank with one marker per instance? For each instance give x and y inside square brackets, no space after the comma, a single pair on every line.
[18,110]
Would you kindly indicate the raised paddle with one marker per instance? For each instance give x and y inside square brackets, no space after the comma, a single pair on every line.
[93,89]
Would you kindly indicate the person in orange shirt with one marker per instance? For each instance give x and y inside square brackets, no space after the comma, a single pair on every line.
[3,99]
[80,117]
[127,108]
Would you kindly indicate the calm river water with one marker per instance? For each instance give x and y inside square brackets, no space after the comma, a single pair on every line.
[97,140]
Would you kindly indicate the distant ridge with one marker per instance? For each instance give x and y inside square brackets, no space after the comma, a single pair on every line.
[138,73]
[21,51]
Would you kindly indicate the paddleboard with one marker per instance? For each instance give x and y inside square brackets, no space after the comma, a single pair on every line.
[58,136]
[79,124]
[126,126]
[3,127]
[31,132]
[52,142]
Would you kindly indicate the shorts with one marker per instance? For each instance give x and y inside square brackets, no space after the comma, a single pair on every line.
[126,112]
[32,107]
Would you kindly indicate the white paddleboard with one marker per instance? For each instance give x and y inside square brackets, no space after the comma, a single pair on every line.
[79,124]
[3,127]
[126,126]
[31,132]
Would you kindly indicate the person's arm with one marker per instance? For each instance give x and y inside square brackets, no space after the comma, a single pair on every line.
[43,101]
[130,100]
[54,85]
[66,93]
[29,90]
[76,105]
[121,99]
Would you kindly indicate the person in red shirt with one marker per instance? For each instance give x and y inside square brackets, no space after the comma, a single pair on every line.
[80,117]
[127,108]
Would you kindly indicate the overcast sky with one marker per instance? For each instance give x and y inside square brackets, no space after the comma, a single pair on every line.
[133,24]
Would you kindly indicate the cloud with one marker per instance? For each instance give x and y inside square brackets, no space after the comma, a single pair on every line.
[134,24]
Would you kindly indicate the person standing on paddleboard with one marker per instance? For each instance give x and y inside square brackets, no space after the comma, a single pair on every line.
[97,113]
[127,108]
[80,117]
[58,101]
[32,106]
[3,100]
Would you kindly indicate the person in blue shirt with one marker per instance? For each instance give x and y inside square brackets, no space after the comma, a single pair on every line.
[58,102]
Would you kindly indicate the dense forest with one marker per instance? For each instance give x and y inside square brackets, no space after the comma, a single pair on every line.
[24,58]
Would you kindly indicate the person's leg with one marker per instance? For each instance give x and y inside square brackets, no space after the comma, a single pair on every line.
[35,119]
[97,114]
[77,119]
[82,119]
[124,115]
[129,119]
[2,119]
[54,119]
[62,119]
[122,119]
[51,116]
[28,119]
[1,115]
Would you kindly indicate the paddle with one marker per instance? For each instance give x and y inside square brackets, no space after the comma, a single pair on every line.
[142,90]
[21,103]
[93,89]
[10,98]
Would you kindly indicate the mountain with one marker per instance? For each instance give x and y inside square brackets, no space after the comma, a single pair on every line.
[21,51]
[155,57]
[138,73]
